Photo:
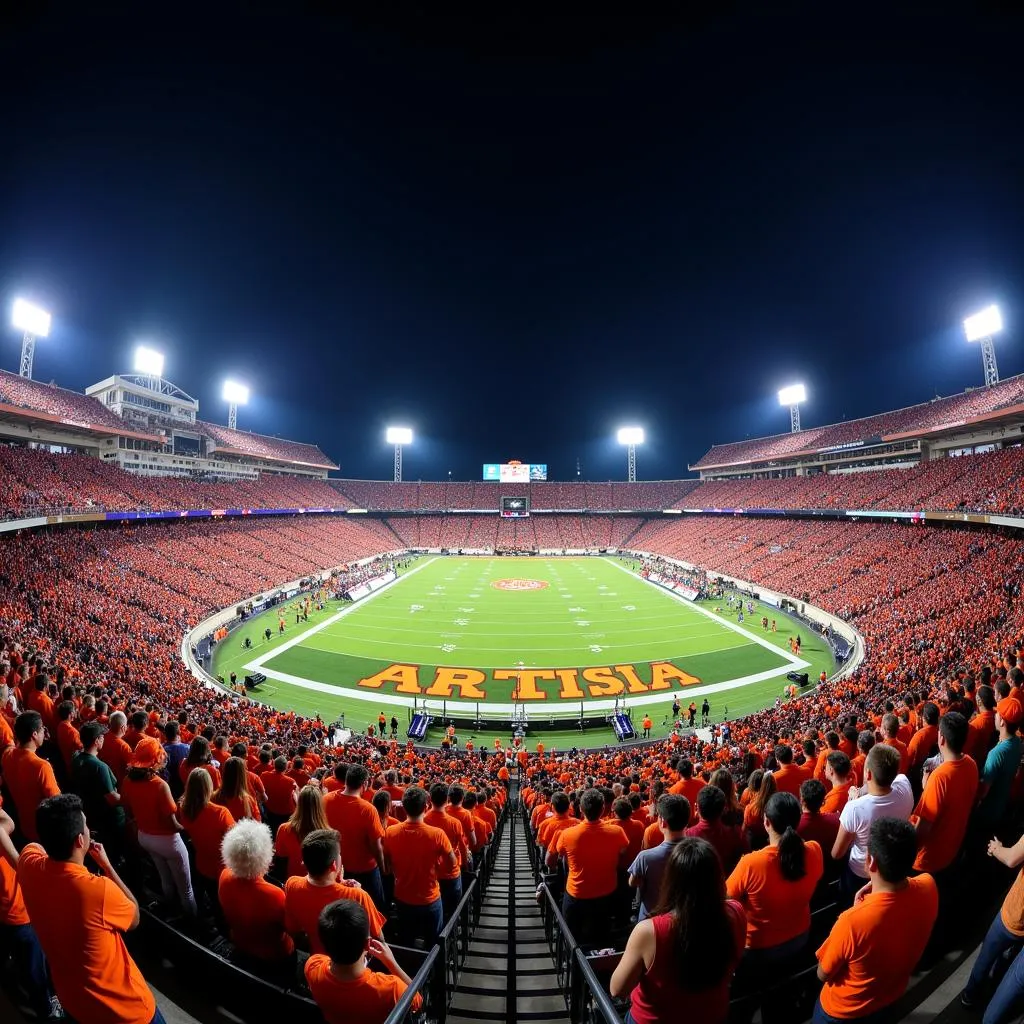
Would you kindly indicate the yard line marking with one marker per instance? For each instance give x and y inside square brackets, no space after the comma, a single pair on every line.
[257,663]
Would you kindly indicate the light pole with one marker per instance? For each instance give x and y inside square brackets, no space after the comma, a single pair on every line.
[33,322]
[150,364]
[399,436]
[631,437]
[234,394]
[980,328]
[793,396]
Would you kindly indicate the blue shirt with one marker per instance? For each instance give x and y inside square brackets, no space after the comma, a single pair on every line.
[649,869]
[1000,768]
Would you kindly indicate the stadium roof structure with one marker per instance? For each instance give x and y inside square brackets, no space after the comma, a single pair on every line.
[1003,402]
[260,446]
[23,399]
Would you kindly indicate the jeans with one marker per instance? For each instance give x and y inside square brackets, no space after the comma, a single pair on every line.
[821,1017]
[20,941]
[419,921]
[997,941]
[171,859]
[370,881]
[587,918]
[759,966]
[1008,995]
[451,893]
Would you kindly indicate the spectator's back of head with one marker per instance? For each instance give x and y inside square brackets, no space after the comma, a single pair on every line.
[711,803]
[892,845]
[674,810]
[812,793]
[344,931]
[953,729]
[414,800]
[320,849]
[883,763]
[592,804]
[60,821]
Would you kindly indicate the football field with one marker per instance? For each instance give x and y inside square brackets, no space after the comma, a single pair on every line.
[552,633]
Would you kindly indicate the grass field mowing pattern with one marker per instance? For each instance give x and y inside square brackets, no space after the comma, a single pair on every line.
[586,612]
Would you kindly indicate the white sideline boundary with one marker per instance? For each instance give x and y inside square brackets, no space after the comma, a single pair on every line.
[561,708]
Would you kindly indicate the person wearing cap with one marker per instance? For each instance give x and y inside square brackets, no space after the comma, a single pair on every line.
[1001,764]
[149,801]
[94,782]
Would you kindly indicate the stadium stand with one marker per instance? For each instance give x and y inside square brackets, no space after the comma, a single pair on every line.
[275,449]
[26,396]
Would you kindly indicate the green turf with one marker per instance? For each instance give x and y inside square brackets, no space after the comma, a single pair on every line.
[446,613]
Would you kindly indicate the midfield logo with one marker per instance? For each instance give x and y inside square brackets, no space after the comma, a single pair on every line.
[515,584]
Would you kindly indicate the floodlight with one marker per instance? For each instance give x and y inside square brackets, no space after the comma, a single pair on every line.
[631,435]
[30,318]
[984,324]
[399,435]
[235,393]
[793,395]
[149,362]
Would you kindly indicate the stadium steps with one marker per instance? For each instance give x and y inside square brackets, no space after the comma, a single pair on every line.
[509,974]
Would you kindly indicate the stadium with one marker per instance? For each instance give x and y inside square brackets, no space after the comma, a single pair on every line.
[415,627]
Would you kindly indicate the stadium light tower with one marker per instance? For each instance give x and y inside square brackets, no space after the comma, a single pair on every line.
[793,396]
[399,436]
[234,394]
[631,437]
[150,364]
[981,327]
[33,323]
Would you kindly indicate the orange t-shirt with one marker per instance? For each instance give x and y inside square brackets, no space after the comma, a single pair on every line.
[30,780]
[921,745]
[304,901]
[452,828]
[653,836]
[6,734]
[254,911]
[874,946]
[12,905]
[287,845]
[634,833]
[777,909]
[836,798]
[150,803]
[185,770]
[79,918]
[413,850]
[281,792]
[550,827]
[206,833]
[474,835]
[115,754]
[689,788]
[788,778]
[904,756]
[946,802]
[67,741]
[367,999]
[359,826]
[593,850]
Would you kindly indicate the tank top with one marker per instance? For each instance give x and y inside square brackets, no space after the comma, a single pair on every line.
[658,996]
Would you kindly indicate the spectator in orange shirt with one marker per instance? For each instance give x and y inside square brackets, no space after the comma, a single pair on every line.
[775,886]
[29,779]
[822,828]
[726,840]
[413,852]
[199,756]
[449,878]
[594,852]
[474,835]
[471,802]
[252,906]
[361,833]
[115,752]
[839,772]
[865,741]
[79,918]
[762,784]
[68,742]
[866,961]
[890,729]
[306,896]
[687,785]
[282,793]
[148,799]
[298,772]
[559,820]
[947,800]
[787,776]
[308,816]
[981,729]
[234,791]
[17,936]
[623,811]
[344,988]
[207,824]
[924,743]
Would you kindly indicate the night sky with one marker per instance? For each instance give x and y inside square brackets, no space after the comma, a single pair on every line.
[516,236]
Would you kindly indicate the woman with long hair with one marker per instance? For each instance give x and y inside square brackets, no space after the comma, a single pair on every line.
[149,801]
[206,824]
[722,779]
[234,791]
[307,817]
[199,756]
[763,784]
[685,954]
[775,886]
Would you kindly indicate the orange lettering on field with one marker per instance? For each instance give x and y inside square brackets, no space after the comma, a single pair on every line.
[526,681]
[664,671]
[604,682]
[465,680]
[635,683]
[570,684]
[405,677]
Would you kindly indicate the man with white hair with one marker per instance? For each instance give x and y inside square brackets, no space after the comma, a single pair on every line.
[252,906]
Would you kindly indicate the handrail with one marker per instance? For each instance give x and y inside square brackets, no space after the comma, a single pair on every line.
[594,1005]
[403,1010]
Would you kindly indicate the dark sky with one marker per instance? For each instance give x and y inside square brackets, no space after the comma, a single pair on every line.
[516,236]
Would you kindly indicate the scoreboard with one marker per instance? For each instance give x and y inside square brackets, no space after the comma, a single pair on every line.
[515,507]
[515,472]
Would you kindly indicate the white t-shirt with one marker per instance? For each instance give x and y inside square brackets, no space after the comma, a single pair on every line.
[858,815]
